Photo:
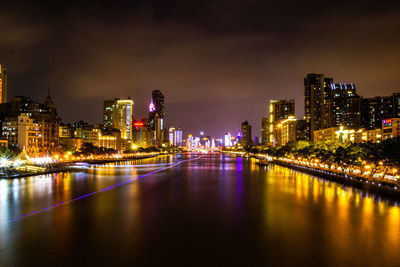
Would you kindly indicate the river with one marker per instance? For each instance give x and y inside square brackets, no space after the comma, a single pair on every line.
[186,210]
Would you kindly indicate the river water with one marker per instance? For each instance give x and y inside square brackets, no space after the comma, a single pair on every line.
[216,210]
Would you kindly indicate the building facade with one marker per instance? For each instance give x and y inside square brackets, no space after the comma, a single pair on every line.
[278,110]
[376,109]
[3,84]
[317,103]
[246,135]
[390,128]
[285,131]
[346,106]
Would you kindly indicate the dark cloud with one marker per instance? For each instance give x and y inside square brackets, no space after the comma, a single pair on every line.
[217,63]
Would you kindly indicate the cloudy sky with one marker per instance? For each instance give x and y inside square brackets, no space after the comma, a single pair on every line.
[217,62]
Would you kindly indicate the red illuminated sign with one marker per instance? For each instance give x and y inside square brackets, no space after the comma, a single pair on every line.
[138,124]
[387,121]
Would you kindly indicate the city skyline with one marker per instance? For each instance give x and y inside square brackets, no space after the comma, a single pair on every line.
[207,66]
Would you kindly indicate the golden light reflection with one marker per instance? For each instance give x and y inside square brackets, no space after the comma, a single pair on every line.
[342,216]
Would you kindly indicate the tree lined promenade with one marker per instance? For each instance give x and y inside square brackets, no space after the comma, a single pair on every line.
[377,161]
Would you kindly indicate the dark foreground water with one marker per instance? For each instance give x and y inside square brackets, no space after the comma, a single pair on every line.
[217,210]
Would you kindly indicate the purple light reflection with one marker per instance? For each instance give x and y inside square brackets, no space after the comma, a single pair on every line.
[99,191]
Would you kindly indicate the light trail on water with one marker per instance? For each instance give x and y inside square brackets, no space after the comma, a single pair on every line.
[99,191]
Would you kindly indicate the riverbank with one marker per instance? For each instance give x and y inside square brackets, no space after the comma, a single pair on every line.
[384,188]
[69,166]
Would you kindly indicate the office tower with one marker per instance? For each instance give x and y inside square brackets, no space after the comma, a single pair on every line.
[123,110]
[264,131]
[172,136]
[117,114]
[346,106]
[156,117]
[228,140]
[178,137]
[301,130]
[108,113]
[379,108]
[285,131]
[278,110]
[158,100]
[3,85]
[317,103]
[246,134]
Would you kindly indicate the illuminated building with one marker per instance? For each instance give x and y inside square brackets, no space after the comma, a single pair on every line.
[347,135]
[227,140]
[44,115]
[376,109]
[178,137]
[94,134]
[264,131]
[317,103]
[172,133]
[108,113]
[278,110]
[156,117]
[346,106]
[117,114]
[23,133]
[246,134]
[284,131]
[3,85]
[391,128]
[65,131]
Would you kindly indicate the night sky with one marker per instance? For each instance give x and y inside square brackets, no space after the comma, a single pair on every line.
[217,62]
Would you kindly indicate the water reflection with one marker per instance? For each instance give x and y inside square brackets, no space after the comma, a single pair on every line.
[231,210]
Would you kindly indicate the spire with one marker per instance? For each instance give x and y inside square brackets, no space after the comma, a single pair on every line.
[49,102]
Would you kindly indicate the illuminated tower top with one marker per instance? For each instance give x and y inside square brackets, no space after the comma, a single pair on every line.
[152,107]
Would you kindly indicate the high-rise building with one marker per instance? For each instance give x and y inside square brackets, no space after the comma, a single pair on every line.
[3,85]
[278,110]
[285,131]
[301,130]
[264,131]
[108,113]
[156,117]
[379,108]
[346,106]
[178,137]
[246,134]
[228,140]
[317,103]
[118,114]
[158,100]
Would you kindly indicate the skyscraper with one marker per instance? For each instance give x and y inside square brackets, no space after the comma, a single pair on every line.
[117,114]
[3,85]
[108,113]
[246,134]
[158,100]
[156,116]
[346,106]
[317,103]
[278,110]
